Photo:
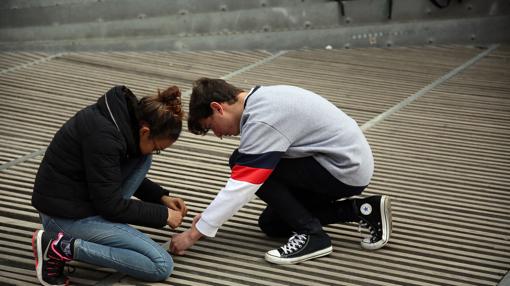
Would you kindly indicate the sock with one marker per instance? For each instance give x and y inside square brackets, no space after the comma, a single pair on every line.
[66,246]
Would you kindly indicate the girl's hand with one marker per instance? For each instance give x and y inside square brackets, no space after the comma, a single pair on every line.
[176,204]
[174,219]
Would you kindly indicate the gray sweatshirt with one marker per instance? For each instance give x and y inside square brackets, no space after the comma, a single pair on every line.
[288,122]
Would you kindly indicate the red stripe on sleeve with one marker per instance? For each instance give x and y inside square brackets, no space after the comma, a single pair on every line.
[251,175]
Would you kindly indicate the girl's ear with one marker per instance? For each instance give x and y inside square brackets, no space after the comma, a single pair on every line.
[145,131]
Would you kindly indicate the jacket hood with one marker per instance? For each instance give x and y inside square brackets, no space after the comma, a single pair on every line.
[118,105]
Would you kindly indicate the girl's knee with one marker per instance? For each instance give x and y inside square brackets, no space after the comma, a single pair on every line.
[164,267]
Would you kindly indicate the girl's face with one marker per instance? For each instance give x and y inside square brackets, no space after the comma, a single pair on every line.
[150,145]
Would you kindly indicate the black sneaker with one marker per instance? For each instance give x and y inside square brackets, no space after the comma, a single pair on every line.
[49,262]
[375,214]
[301,247]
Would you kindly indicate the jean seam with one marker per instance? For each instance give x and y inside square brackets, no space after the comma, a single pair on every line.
[51,220]
[139,236]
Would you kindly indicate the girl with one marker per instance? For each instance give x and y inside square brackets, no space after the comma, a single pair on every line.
[93,166]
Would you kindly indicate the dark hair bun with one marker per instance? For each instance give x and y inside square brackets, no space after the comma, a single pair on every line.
[171,97]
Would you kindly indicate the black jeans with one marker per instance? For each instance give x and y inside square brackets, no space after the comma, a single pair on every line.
[302,196]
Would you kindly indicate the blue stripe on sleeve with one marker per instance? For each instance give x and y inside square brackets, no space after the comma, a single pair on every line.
[265,160]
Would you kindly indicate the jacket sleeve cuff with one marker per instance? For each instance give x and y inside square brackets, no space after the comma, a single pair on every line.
[206,229]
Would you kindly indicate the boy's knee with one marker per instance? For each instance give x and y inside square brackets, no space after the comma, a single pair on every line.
[263,225]
[271,229]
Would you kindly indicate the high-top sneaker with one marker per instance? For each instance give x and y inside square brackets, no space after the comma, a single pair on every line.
[51,253]
[375,214]
[301,247]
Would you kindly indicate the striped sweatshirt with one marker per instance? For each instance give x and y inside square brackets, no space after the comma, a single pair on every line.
[288,122]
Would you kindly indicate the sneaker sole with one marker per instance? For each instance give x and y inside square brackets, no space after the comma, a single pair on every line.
[38,255]
[386,224]
[36,245]
[279,260]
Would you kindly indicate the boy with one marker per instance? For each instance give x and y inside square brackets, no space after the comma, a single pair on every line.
[300,154]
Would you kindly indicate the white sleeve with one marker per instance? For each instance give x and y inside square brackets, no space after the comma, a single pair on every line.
[226,204]
[258,155]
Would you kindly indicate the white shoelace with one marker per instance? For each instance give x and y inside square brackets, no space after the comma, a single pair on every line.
[295,242]
[371,237]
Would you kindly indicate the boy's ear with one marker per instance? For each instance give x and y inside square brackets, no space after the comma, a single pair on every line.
[215,106]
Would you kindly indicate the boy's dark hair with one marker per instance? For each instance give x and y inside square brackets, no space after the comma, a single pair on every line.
[205,91]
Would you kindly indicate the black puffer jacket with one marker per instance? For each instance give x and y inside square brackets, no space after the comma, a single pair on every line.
[85,163]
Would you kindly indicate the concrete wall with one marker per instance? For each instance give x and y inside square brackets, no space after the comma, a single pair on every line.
[58,25]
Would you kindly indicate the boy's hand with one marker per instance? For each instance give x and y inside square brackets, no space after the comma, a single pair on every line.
[182,241]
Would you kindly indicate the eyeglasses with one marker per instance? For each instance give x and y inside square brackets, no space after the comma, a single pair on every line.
[155,149]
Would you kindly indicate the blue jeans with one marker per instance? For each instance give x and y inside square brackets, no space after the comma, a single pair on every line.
[116,245]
